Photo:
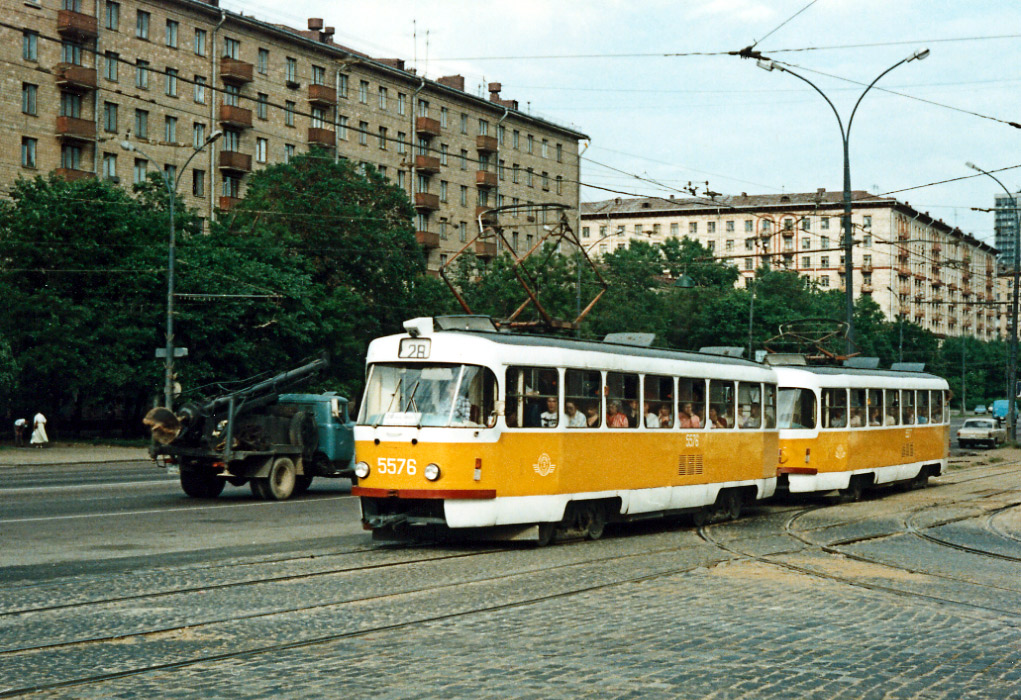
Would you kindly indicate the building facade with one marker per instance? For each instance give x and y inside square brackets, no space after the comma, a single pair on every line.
[914,266]
[165,75]
[1005,223]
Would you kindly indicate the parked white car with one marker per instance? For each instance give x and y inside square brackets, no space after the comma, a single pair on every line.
[981,431]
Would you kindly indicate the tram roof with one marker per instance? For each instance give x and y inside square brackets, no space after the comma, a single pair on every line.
[859,372]
[524,339]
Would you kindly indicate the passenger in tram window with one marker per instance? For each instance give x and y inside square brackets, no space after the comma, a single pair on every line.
[838,420]
[592,416]
[665,419]
[615,418]
[716,420]
[575,418]
[533,413]
[550,417]
[630,411]
[651,419]
[856,418]
[891,417]
[688,418]
[754,419]
[875,417]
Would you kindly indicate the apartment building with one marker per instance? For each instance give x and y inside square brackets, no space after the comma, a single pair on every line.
[166,75]
[1005,226]
[914,266]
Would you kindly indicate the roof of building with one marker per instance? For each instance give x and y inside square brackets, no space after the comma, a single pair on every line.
[628,207]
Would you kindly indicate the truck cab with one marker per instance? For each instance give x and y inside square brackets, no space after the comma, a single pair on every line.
[334,440]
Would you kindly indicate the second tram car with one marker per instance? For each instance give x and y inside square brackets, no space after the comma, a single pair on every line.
[850,429]
[508,436]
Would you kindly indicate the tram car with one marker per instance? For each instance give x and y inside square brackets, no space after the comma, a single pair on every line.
[850,429]
[467,430]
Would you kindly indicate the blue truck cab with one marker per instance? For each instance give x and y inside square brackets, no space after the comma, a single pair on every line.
[1000,408]
[335,448]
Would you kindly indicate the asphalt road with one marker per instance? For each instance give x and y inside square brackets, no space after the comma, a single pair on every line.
[114,584]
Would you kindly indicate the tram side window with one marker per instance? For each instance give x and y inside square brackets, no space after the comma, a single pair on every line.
[797,408]
[937,407]
[622,400]
[923,407]
[476,399]
[907,406]
[691,403]
[582,398]
[834,408]
[769,408]
[529,390]
[721,404]
[892,407]
[658,402]
[875,407]
[749,399]
[858,417]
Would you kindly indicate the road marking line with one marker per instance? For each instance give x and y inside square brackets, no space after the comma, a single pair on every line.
[94,485]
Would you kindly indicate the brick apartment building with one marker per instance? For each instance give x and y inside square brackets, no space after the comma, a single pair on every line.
[913,265]
[171,73]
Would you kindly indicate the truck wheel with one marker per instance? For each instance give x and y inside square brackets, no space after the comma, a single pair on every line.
[301,484]
[282,476]
[199,484]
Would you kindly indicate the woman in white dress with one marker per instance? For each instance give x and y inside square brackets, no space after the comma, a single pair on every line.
[39,437]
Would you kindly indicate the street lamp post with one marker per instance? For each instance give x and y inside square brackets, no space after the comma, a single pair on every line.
[168,380]
[1012,363]
[845,134]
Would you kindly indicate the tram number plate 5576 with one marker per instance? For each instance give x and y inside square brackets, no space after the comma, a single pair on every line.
[414,348]
[396,465]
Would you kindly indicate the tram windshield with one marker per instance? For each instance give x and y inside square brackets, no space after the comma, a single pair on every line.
[460,396]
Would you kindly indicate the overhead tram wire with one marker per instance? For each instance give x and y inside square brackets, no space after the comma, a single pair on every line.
[777,28]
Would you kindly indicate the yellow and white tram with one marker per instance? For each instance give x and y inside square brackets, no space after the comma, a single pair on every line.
[849,429]
[513,436]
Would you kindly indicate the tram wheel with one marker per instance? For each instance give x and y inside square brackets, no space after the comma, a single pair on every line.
[592,520]
[922,480]
[731,505]
[546,531]
[854,491]
[700,517]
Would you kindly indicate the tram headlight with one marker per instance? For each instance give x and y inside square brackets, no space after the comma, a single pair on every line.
[362,470]
[432,472]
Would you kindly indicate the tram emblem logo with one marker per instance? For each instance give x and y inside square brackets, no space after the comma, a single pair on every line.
[544,467]
[840,452]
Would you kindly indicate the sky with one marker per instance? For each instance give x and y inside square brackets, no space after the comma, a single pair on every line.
[658,122]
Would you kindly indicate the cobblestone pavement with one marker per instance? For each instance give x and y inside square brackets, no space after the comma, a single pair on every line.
[807,598]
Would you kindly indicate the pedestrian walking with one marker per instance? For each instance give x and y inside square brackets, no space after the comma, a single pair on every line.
[20,429]
[39,437]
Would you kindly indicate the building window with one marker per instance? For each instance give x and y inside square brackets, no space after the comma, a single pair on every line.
[545,148]
[824,281]
[444,153]
[824,261]
[262,106]
[674,229]
[443,190]
[28,150]
[711,227]
[806,224]
[560,154]
[231,140]
[402,104]
[141,124]
[464,159]
[232,96]
[110,117]
[231,186]
[231,48]
[382,138]
[28,98]
[140,167]
[198,183]
[342,85]
[288,152]
[806,243]
[529,175]
[464,123]
[767,225]
[516,139]
[342,127]
[198,132]
[824,223]
[30,46]
[318,118]
[261,145]
[110,63]
[142,25]
[749,226]
[531,143]
[70,52]
[291,70]
[693,227]
[71,156]
[464,196]
[545,181]
[172,27]
[109,166]
[866,222]
[200,42]
[483,127]
[402,142]
[462,232]
[806,261]
[749,244]
[516,173]
[289,113]
[824,241]
[113,15]
[749,264]
[170,130]
[444,116]
[142,74]
[382,98]
[200,89]
[363,92]
[729,246]
[171,82]
[262,63]
[363,133]
[70,105]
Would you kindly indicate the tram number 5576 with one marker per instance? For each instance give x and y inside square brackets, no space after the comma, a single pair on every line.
[396,465]
[691,440]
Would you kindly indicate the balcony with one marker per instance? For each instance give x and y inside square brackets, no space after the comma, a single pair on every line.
[321,137]
[235,116]
[80,129]
[235,161]
[867,289]
[937,248]
[424,200]
[428,239]
[229,203]
[903,270]
[487,214]
[70,174]
[424,126]
[75,78]
[322,95]
[234,71]
[866,267]
[486,144]
[427,164]
[485,249]
[76,25]
[484,178]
